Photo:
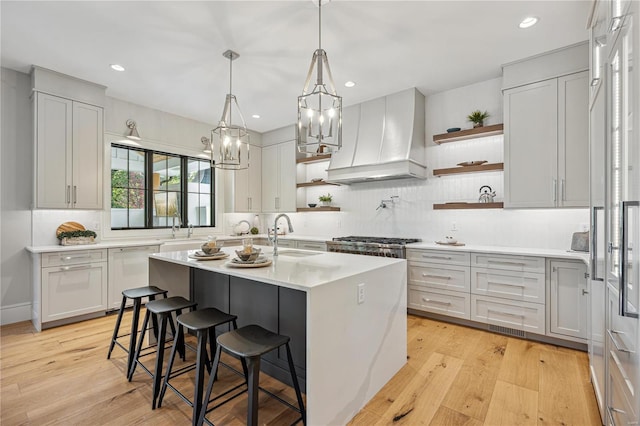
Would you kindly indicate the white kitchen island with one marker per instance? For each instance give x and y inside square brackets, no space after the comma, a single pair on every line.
[351,349]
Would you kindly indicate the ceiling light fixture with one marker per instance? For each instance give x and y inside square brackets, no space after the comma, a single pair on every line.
[229,142]
[133,131]
[117,67]
[529,21]
[350,83]
[319,110]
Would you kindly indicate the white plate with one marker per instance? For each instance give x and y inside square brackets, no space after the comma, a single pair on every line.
[241,264]
[217,256]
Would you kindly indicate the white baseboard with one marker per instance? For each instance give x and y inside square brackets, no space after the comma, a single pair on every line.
[15,313]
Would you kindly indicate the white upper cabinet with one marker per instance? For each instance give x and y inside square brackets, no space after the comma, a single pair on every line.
[244,187]
[69,138]
[279,177]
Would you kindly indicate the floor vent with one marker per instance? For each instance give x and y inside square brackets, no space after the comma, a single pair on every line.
[507,331]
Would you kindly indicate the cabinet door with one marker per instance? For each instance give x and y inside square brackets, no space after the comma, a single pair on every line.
[287,177]
[568,299]
[530,145]
[69,291]
[254,180]
[573,140]
[292,322]
[210,290]
[53,151]
[87,156]
[128,268]
[270,178]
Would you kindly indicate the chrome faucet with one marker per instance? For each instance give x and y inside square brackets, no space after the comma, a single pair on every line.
[275,232]
[189,230]
[174,228]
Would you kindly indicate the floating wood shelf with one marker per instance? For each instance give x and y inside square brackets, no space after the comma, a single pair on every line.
[466,206]
[305,184]
[469,169]
[318,209]
[477,132]
[314,158]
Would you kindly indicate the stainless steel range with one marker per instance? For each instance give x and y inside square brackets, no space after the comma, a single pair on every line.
[371,246]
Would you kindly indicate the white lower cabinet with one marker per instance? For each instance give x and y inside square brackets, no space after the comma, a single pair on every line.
[128,268]
[568,299]
[69,284]
[451,303]
[513,314]
[302,244]
[444,277]
[525,286]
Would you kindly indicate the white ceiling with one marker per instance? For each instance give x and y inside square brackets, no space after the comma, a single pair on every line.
[172,50]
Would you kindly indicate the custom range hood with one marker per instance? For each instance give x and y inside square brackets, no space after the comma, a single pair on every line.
[381,139]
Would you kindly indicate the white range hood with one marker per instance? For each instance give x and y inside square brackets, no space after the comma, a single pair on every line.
[381,139]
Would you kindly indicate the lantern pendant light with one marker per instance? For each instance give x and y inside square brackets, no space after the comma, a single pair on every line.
[319,127]
[229,143]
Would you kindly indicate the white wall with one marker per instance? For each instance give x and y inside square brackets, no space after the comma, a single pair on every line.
[17,180]
[413,214]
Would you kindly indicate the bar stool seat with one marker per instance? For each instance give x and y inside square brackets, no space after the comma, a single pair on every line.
[250,343]
[203,323]
[161,309]
[135,294]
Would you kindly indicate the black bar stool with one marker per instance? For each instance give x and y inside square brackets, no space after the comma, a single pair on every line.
[135,294]
[250,343]
[203,323]
[162,309]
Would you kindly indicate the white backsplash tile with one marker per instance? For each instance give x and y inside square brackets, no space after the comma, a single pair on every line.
[45,223]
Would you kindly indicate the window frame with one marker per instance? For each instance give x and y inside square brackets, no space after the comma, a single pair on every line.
[150,191]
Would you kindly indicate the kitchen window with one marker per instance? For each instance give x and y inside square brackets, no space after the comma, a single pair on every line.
[152,190]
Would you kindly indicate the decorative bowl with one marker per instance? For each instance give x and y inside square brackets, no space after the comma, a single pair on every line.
[317,179]
[248,256]
[312,205]
[453,129]
[210,249]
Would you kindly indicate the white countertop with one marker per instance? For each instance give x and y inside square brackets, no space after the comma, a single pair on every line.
[296,272]
[518,251]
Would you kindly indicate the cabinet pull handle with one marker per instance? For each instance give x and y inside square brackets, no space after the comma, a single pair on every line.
[554,189]
[505,262]
[68,196]
[88,256]
[615,24]
[618,343]
[624,248]
[617,410]
[436,276]
[594,244]
[126,249]
[563,194]
[75,194]
[439,302]
[585,292]
[509,314]
[68,268]
[426,256]
[507,284]
[250,203]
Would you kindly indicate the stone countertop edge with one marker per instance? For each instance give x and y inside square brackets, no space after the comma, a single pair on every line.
[514,251]
[292,272]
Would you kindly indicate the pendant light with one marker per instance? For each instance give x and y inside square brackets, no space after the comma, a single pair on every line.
[229,143]
[319,127]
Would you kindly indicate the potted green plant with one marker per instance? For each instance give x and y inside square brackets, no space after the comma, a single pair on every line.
[325,199]
[69,238]
[477,117]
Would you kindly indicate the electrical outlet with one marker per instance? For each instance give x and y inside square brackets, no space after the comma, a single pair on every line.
[360,293]
[453,226]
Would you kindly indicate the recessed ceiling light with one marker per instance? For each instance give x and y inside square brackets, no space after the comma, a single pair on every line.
[350,83]
[527,22]
[256,116]
[117,67]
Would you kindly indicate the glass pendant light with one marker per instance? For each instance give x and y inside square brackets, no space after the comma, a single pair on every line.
[319,128]
[229,143]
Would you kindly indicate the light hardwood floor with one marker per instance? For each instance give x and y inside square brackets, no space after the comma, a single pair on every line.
[454,376]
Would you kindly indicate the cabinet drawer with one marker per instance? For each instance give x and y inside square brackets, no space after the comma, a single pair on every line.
[451,303]
[455,278]
[439,256]
[312,245]
[286,243]
[523,316]
[622,405]
[525,286]
[73,257]
[73,290]
[508,262]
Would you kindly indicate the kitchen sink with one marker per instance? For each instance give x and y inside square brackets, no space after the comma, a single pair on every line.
[178,245]
[296,253]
